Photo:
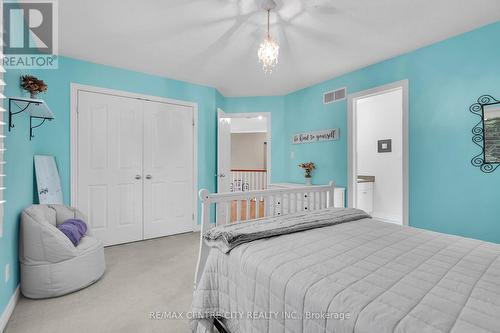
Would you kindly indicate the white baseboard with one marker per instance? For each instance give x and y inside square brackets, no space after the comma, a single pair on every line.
[4,319]
[197,228]
[386,219]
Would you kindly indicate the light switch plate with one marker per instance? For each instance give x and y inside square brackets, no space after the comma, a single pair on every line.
[385,146]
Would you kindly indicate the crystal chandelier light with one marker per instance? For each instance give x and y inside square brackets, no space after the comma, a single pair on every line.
[268,50]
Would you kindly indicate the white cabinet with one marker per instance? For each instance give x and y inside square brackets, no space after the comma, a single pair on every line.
[294,203]
[364,197]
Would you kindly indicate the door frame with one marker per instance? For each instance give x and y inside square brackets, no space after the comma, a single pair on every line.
[351,144]
[76,87]
[267,115]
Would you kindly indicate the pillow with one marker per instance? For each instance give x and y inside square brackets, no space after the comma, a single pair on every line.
[74,229]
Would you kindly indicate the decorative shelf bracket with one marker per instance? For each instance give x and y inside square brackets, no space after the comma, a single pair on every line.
[36,109]
[40,124]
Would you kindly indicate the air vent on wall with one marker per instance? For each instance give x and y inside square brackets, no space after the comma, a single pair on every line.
[334,95]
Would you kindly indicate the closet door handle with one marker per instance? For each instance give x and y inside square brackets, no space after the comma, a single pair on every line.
[149,176]
[138,177]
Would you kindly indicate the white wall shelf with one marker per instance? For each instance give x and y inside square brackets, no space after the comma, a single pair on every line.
[36,109]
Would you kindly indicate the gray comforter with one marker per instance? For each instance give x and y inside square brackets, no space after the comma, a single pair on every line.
[361,276]
[229,236]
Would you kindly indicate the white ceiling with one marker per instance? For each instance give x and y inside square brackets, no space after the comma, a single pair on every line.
[214,42]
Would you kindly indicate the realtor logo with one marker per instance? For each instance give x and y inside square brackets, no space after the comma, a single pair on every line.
[30,34]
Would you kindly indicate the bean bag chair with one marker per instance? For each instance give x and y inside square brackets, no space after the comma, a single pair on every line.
[51,265]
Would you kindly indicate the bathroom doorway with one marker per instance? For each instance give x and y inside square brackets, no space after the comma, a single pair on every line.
[378,152]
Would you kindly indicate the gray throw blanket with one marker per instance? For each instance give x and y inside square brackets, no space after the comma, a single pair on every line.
[229,236]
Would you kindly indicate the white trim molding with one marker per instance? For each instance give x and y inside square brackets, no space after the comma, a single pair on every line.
[351,161]
[9,309]
[75,87]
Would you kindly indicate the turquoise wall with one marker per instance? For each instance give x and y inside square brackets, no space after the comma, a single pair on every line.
[54,137]
[447,193]
[305,111]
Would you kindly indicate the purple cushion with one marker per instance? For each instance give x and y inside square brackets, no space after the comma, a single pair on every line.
[74,229]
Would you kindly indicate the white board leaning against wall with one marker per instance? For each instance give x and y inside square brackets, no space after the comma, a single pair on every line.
[47,180]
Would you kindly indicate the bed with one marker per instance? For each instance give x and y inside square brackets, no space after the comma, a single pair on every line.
[358,275]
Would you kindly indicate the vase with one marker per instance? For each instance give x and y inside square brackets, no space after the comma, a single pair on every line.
[308,180]
[30,94]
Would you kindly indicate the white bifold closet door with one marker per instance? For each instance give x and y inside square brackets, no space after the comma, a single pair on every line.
[168,169]
[110,163]
[135,167]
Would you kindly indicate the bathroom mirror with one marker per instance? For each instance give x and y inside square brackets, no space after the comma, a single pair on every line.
[486,133]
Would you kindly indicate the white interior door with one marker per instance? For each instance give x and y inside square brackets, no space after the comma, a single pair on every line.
[168,169]
[109,165]
[379,117]
[223,152]
[223,160]
[387,105]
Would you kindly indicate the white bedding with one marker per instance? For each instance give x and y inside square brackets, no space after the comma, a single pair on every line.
[379,277]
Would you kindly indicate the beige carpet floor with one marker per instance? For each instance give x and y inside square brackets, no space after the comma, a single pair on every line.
[143,277]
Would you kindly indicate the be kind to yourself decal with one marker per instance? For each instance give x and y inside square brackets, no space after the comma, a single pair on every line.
[316,136]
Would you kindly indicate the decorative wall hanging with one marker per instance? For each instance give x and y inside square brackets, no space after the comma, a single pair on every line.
[486,133]
[384,146]
[316,136]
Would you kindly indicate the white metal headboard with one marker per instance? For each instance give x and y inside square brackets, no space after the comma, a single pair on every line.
[251,205]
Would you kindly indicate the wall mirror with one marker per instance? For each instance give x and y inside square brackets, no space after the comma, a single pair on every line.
[486,133]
